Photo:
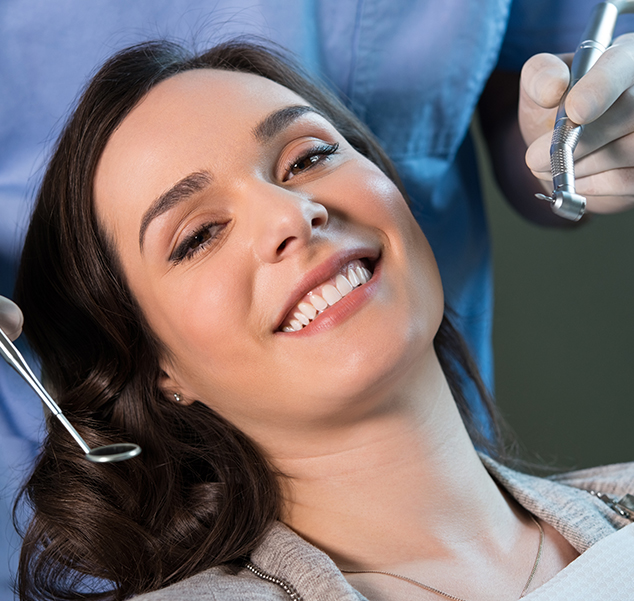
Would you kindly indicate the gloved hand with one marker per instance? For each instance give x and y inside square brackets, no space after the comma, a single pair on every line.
[603,101]
[11,318]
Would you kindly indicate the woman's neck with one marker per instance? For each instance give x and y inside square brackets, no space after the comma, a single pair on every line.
[401,485]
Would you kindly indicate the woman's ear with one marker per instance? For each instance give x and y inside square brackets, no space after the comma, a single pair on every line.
[172,390]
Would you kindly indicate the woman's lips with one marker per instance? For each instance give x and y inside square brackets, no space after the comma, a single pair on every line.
[319,300]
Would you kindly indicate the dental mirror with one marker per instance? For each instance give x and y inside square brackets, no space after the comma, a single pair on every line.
[106,454]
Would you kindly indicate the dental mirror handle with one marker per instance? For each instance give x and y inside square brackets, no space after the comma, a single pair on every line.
[596,38]
[117,452]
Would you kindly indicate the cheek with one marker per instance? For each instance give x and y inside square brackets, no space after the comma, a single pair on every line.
[197,317]
[377,200]
[364,187]
[370,197]
[418,279]
[216,340]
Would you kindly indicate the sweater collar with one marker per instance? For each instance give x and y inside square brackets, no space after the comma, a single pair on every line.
[577,515]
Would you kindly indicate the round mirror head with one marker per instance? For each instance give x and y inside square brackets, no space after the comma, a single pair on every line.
[113,452]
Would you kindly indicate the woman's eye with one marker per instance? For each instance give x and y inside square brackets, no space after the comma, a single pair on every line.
[310,158]
[196,242]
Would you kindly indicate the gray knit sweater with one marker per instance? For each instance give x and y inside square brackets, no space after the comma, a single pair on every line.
[286,567]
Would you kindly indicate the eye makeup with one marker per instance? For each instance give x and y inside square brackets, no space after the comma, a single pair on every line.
[309,159]
[196,242]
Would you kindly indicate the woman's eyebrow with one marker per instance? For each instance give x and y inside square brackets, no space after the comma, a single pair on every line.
[179,192]
[274,123]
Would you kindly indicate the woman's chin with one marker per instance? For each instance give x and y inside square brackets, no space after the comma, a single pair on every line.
[363,379]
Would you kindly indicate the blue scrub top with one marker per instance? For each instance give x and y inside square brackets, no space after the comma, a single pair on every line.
[412,70]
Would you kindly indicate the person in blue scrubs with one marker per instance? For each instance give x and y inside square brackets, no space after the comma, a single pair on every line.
[415,72]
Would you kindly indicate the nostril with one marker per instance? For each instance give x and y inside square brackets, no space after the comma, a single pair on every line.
[282,246]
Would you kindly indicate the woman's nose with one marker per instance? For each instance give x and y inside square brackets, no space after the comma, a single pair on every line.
[284,220]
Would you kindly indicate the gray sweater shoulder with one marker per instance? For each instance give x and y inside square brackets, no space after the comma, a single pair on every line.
[616,479]
[215,584]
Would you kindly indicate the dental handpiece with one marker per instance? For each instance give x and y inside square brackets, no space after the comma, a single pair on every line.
[596,38]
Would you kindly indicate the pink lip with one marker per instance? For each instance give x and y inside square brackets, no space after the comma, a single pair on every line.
[322,273]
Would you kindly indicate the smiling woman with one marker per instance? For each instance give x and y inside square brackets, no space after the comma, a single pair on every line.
[222,267]
[270,229]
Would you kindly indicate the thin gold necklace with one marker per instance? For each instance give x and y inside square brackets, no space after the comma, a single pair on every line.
[431,589]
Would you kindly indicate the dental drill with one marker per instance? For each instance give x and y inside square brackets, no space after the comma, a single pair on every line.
[596,38]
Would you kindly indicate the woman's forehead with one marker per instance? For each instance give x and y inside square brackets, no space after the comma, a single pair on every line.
[211,91]
[196,108]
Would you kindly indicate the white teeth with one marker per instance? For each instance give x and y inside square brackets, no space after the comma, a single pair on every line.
[331,294]
[308,310]
[299,316]
[343,285]
[361,274]
[319,303]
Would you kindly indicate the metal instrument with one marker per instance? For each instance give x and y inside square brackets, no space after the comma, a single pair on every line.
[595,40]
[106,454]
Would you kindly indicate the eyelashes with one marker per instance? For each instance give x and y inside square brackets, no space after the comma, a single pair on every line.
[309,159]
[204,236]
[197,242]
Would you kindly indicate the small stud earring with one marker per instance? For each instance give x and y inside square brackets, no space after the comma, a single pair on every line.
[177,397]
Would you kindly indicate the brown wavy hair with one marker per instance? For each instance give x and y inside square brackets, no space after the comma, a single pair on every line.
[201,494]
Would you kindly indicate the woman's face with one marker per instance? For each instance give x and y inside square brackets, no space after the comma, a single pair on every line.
[233,207]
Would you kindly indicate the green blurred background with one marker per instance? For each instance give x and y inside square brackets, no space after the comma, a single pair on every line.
[563,333]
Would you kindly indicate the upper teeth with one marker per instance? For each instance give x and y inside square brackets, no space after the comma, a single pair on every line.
[317,300]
